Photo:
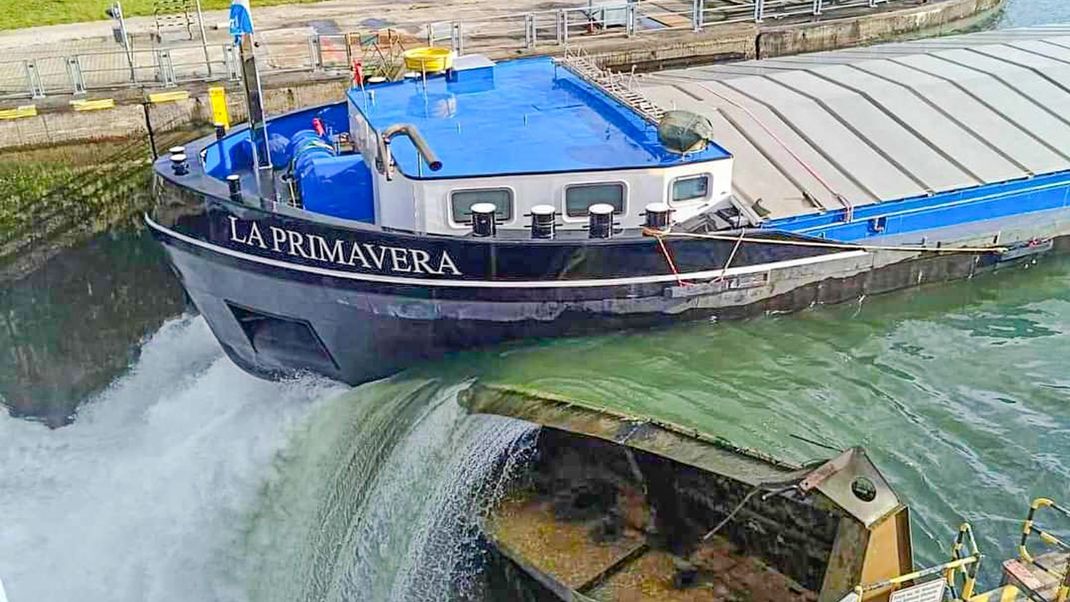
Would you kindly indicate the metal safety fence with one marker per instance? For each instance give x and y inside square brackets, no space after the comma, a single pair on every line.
[380,51]
[628,18]
[79,73]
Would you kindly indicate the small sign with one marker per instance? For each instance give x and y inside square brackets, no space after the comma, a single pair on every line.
[930,591]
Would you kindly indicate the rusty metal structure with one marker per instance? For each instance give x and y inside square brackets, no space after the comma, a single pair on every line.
[622,507]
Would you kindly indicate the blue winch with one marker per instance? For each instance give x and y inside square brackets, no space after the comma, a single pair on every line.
[329,183]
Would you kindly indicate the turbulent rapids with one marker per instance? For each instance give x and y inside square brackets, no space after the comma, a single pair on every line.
[157,491]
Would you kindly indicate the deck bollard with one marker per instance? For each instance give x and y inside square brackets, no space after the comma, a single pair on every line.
[657,216]
[234,184]
[483,223]
[543,221]
[179,165]
[601,220]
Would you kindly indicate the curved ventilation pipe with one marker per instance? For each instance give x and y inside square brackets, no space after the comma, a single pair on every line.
[409,130]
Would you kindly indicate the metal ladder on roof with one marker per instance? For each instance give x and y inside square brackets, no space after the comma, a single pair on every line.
[623,87]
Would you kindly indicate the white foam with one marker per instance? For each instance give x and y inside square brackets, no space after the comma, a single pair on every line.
[143,497]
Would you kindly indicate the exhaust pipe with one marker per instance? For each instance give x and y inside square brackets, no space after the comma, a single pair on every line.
[418,141]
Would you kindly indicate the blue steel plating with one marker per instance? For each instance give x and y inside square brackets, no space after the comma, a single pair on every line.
[991,201]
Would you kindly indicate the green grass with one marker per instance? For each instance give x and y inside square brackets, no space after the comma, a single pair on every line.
[31,13]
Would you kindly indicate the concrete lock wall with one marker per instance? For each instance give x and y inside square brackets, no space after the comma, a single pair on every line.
[927,19]
[127,120]
[57,123]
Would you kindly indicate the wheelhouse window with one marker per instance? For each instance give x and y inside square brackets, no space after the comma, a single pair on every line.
[690,188]
[581,196]
[461,202]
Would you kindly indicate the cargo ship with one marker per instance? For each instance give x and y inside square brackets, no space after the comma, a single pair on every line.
[474,202]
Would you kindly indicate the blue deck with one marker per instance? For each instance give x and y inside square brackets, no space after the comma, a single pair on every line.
[518,117]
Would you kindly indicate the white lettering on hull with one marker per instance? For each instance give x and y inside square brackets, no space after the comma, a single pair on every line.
[368,256]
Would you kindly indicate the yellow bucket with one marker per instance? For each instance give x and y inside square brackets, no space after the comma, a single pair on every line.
[429,59]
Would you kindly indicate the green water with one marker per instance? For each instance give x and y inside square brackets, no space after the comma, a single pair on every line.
[961,393]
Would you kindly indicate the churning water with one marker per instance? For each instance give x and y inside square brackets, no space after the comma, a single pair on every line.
[190,480]
[139,499]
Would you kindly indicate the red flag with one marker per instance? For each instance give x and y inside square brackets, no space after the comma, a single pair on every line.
[358,73]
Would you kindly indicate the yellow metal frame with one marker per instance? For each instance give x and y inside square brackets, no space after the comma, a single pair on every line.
[948,568]
[1029,527]
[967,565]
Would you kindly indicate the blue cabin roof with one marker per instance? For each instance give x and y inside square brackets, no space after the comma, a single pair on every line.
[518,117]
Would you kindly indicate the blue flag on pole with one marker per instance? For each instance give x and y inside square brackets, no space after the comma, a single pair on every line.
[241,20]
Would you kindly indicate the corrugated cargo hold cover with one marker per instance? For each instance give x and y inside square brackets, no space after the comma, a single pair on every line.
[865,125]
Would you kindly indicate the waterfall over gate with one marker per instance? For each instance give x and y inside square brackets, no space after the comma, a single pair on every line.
[380,495]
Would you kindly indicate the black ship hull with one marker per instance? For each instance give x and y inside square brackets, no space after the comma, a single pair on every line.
[282,293]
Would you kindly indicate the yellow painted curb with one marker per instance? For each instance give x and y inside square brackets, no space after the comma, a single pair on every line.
[93,105]
[158,97]
[19,112]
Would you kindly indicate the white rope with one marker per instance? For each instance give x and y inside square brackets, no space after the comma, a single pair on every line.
[732,255]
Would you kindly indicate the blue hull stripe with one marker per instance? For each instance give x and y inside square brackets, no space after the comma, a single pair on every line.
[938,211]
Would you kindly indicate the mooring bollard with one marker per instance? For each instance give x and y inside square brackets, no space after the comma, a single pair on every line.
[601,220]
[543,221]
[179,165]
[234,184]
[483,223]
[657,216]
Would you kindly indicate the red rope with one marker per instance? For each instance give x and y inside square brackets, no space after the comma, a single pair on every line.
[672,265]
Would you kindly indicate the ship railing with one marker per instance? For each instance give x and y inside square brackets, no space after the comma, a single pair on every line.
[622,86]
[965,563]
